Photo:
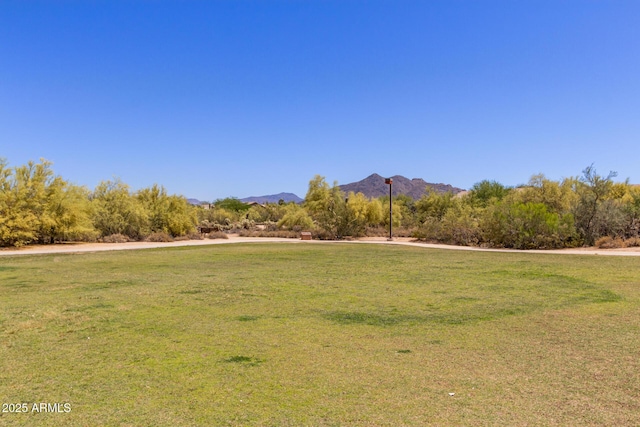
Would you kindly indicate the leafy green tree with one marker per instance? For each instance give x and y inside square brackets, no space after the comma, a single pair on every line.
[232,204]
[116,211]
[169,214]
[631,200]
[448,219]
[274,212]
[592,190]
[256,213]
[360,213]
[23,204]
[36,206]
[557,196]
[296,218]
[374,212]
[17,223]
[397,211]
[526,226]
[326,206]
[69,212]
[433,204]
[460,224]
[487,192]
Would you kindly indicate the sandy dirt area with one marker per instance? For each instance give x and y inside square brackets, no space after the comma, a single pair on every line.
[98,247]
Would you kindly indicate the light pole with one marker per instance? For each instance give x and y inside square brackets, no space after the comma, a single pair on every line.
[389,181]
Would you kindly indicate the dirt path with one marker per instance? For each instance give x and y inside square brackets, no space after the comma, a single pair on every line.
[99,247]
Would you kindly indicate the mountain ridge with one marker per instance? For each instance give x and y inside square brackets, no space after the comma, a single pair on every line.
[273,198]
[374,186]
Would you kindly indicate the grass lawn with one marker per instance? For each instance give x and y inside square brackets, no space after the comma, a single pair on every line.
[320,335]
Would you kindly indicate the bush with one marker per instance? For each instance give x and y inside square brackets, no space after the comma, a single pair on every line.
[295,218]
[116,238]
[286,234]
[632,242]
[321,234]
[189,236]
[217,235]
[457,226]
[377,231]
[159,236]
[270,226]
[608,242]
[246,224]
[527,226]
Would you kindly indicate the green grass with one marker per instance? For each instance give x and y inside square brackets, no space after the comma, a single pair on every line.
[320,335]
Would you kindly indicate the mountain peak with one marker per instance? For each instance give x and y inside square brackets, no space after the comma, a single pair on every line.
[374,186]
[273,198]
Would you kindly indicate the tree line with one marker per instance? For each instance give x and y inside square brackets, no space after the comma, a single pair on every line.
[543,214]
[38,207]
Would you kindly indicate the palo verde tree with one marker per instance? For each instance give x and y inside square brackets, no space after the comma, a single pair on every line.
[592,191]
[19,209]
[326,206]
[167,213]
[38,207]
[69,213]
[295,218]
[361,212]
[116,211]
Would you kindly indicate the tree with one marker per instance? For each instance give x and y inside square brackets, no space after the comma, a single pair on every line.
[327,206]
[116,211]
[37,206]
[69,212]
[592,190]
[360,213]
[232,204]
[433,204]
[296,218]
[23,214]
[169,214]
[486,192]
[557,196]
[513,224]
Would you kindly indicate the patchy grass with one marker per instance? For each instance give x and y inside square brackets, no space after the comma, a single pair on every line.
[322,335]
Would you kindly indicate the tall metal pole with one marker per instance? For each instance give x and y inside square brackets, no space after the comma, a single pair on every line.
[390,182]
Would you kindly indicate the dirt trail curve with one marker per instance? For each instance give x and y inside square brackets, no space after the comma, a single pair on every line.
[98,247]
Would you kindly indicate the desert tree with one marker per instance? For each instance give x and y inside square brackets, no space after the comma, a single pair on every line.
[18,223]
[360,213]
[295,218]
[326,206]
[486,192]
[171,214]
[433,205]
[116,211]
[38,207]
[590,209]
[68,212]
[557,196]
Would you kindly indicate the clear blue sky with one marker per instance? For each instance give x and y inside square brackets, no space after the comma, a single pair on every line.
[242,98]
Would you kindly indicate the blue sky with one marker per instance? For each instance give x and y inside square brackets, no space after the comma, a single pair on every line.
[241,98]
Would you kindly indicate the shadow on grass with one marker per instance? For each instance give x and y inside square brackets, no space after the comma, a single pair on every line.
[465,310]
[244,360]
[373,319]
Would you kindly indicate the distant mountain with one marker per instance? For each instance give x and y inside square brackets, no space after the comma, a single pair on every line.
[194,202]
[273,198]
[374,186]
